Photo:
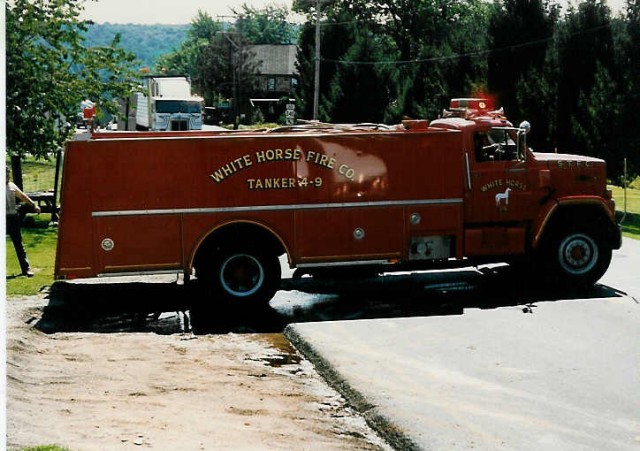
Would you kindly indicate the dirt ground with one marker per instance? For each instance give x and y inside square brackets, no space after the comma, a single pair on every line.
[132,390]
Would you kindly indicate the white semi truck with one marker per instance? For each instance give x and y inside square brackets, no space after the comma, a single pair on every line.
[169,105]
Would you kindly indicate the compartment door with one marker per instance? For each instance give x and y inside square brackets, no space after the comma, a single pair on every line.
[138,243]
[352,234]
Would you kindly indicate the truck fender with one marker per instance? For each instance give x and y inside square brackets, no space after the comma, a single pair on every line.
[553,207]
[251,228]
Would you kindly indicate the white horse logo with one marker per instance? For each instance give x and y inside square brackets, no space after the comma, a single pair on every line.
[503,196]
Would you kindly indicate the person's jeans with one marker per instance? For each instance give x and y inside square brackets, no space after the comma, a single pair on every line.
[13,229]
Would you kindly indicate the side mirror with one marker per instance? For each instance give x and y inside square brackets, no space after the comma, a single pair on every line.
[523,129]
[522,145]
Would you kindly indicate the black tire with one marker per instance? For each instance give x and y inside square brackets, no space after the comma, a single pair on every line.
[577,257]
[241,277]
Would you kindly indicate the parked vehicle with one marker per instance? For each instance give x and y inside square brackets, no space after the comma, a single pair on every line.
[169,105]
[463,189]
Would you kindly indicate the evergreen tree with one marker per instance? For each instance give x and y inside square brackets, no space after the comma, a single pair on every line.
[627,137]
[419,52]
[594,121]
[305,57]
[359,92]
[521,31]
[585,49]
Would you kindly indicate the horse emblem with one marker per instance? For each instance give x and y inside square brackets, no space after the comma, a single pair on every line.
[500,197]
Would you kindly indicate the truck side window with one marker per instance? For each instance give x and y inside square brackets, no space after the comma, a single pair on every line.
[508,149]
[495,145]
[484,148]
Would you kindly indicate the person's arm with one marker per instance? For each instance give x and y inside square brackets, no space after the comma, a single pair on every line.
[23,197]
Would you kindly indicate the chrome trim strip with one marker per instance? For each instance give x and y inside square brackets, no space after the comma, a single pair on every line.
[349,263]
[466,157]
[140,273]
[192,211]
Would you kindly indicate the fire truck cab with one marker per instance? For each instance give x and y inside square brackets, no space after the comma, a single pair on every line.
[223,206]
[550,210]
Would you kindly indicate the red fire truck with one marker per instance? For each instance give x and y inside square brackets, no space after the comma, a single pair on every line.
[226,205]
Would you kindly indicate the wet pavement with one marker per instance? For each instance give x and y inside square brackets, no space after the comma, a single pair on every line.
[155,304]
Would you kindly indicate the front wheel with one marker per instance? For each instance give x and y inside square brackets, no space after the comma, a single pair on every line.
[578,257]
[241,276]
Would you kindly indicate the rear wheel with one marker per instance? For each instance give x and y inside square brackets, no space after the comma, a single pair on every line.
[241,276]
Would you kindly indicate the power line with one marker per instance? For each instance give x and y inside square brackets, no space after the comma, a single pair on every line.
[462,55]
[347,22]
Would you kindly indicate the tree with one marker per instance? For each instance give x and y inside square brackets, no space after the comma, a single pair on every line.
[628,139]
[218,56]
[521,31]
[202,56]
[347,35]
[225,69]
[585,49]
[393,58]
[50,71]
[597,106]
[359,92]
[265,26]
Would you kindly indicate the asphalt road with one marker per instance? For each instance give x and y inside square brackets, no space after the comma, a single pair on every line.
[557,372]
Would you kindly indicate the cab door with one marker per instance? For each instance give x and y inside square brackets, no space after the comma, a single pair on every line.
[500,198]
[500,185]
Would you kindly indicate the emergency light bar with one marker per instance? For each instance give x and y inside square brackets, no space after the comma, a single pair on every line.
[473,108]
[472,104]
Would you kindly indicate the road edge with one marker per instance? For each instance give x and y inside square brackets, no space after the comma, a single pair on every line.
[383,426]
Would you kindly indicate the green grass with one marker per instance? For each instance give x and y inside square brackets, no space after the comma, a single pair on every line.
[38,175]
[40,243]
[39,240]
[631,222]
[45,448]
[633,199]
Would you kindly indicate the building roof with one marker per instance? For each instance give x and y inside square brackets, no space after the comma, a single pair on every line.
[274,59]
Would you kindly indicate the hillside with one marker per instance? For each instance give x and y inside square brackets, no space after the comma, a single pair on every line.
[147,42]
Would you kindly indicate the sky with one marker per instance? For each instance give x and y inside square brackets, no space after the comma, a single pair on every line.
[166,11]
[183,11]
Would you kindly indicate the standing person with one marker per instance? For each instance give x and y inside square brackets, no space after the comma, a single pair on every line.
[13,222]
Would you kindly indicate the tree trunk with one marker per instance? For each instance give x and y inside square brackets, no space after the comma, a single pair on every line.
[16,170]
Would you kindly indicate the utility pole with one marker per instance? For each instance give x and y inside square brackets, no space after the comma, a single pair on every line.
[316,90]
[235,62]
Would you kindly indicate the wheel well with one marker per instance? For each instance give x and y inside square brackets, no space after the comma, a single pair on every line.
[592,216]
[244,233]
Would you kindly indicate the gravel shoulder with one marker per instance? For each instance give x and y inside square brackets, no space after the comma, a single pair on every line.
[123,390]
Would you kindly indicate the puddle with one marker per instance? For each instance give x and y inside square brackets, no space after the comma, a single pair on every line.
[286,353]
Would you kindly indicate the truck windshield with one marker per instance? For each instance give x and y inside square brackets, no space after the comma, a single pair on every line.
[496,145]
[178,106]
